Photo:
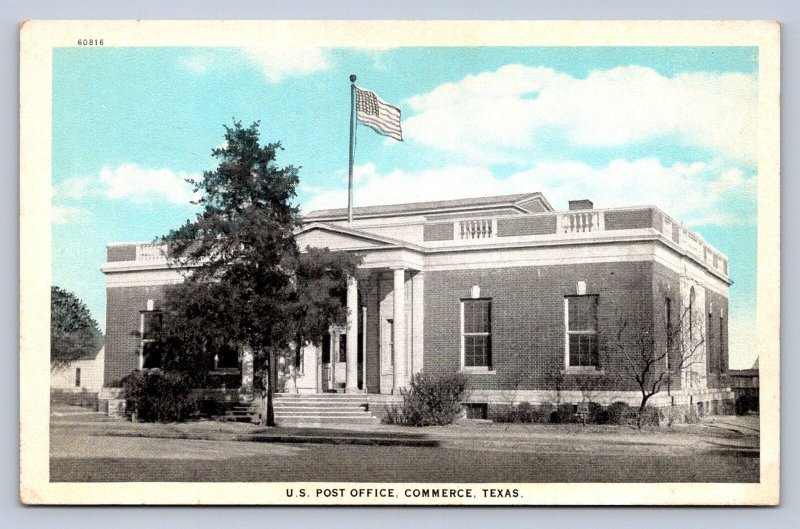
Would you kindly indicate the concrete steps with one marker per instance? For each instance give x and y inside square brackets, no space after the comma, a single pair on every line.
[292,409]
[310,410]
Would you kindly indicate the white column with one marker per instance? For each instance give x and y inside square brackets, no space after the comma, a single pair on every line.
[351,374]
[399,338]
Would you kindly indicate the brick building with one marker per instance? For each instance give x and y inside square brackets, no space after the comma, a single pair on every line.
[526,300]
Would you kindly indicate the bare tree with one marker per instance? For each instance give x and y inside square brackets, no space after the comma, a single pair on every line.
[657,356]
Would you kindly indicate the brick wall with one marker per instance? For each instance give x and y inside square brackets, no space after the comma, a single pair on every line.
[717,339]
[533,225]
[628,219]
[441,231]
[666,284]
[122,327]
[121,253]
[528,319]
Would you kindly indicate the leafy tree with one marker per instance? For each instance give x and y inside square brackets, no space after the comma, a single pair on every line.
[247,284]
[73,332]
[320,292]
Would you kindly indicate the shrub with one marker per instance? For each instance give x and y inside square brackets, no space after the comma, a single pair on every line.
[745,404]
[430,400]
[650,417]
[542,413]
[563,414]
[617,412]
[597,414]
[522,412]
[155,396]
[690,416]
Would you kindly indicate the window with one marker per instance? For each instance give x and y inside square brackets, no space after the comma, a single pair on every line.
[151,325]
[712,359]
[298,360]
[691,318]
[342,348]
[476,411]
[668,330]
[326,349]
[721,343]
[77,377]
[580,315]
[476,332]
[226,357]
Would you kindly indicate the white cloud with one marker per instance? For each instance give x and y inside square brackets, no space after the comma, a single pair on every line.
[129,182]
[198,64]
[74,188]
[67,214]
[282,62]
[499,116]
[696,194]
[142,184]
[399,186]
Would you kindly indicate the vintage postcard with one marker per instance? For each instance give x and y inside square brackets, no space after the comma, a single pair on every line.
[400,263]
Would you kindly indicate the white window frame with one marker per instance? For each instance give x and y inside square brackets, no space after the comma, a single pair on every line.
[568,333]
[475,369]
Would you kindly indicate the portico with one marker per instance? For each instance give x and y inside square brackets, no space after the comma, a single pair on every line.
[380,346]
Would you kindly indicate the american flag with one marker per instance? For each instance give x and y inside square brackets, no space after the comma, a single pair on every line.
[382,117]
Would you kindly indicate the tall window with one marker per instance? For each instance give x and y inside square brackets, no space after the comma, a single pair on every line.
[77,377]
[580,314]
[712,360]
[342,348]
[151,335]
[721,343]
[476,333]
[691,318]
[668,329]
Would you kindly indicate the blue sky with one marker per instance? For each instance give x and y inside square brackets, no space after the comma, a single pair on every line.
[674,127]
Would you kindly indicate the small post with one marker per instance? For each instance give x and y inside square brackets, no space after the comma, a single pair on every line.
[352,148]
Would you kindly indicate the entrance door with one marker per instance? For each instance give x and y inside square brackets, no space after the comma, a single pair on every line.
[327,382]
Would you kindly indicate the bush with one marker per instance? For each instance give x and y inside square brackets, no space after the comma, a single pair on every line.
[745,404]
[618,412]
[650,417]
[430,400]
[543,412]
[597,414]
[564,414]
[522,413]
[155,396]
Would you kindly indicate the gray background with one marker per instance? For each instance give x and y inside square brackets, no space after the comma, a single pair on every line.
[15,515]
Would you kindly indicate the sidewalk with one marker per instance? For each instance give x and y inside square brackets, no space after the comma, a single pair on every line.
[716,433]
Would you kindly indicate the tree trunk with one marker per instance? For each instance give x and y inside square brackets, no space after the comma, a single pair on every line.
[271,378]
[641,411]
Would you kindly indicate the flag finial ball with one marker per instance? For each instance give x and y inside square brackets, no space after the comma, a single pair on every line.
[352,78]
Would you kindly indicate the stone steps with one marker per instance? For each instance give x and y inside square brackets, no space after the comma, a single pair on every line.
[310,410]
[292,409]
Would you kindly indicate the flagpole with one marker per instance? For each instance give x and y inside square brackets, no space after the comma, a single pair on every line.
[352,148]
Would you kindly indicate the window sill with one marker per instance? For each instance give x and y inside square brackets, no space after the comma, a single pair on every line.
[224,371]
[579,370]
[478,371]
